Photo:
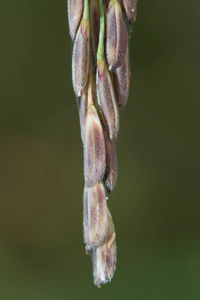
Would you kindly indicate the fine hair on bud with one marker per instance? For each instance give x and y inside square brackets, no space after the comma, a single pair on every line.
[116,35]
[80,58]
[104,256]
[75,11]
[95,217]
[106,99]
[121,80]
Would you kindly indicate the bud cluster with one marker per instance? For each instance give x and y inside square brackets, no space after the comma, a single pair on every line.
[100,51]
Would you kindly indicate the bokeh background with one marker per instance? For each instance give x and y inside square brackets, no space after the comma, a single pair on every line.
[155,205]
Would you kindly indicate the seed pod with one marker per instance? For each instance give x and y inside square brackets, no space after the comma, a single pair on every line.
[104,256]
[95,218]
[80,58]
[111,164]
[75,11]
[121,80]
[130,9]
[94,21]
[94,148]
[106,99]
[116,35]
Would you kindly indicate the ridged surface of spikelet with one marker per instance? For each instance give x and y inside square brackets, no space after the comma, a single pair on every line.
[101,78]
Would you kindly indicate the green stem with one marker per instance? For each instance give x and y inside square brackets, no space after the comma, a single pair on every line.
[86,10]
[100,51]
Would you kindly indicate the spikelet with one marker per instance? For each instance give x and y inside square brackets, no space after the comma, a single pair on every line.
[121,79]
[106,99]
[94,148]
[95,218]
[80,57]
[105,256]
[116,35]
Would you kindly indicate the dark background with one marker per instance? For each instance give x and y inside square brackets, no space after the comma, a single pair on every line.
[155,205]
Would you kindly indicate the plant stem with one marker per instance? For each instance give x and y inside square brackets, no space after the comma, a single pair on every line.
[86,10]
[100,51]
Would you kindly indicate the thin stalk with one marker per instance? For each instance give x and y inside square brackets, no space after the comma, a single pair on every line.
[86,11]
[100,51]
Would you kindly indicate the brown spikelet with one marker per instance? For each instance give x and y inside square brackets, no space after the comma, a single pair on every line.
[80,58]
[75,11]
[95,216]
[111,164]
[116,35]
[121,80]
[104,256]
[94,21]
[94,148]
[106,99]
[130,7]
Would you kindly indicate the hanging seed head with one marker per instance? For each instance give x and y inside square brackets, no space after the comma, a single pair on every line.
[95,23]
[95,217]
[121,80]
[104,256]
[111,164]
[94,148]
[116,35]
[75,11]
[106,99]
[130,7]
[80,57]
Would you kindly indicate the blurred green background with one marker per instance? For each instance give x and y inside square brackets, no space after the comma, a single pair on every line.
[155,205]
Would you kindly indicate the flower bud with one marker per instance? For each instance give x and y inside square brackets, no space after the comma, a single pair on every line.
[94,148]
[116,35]
[121,80]
[75,11]
[95,218]
[106,99]
[80,58]
[104,256]
[130,9]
